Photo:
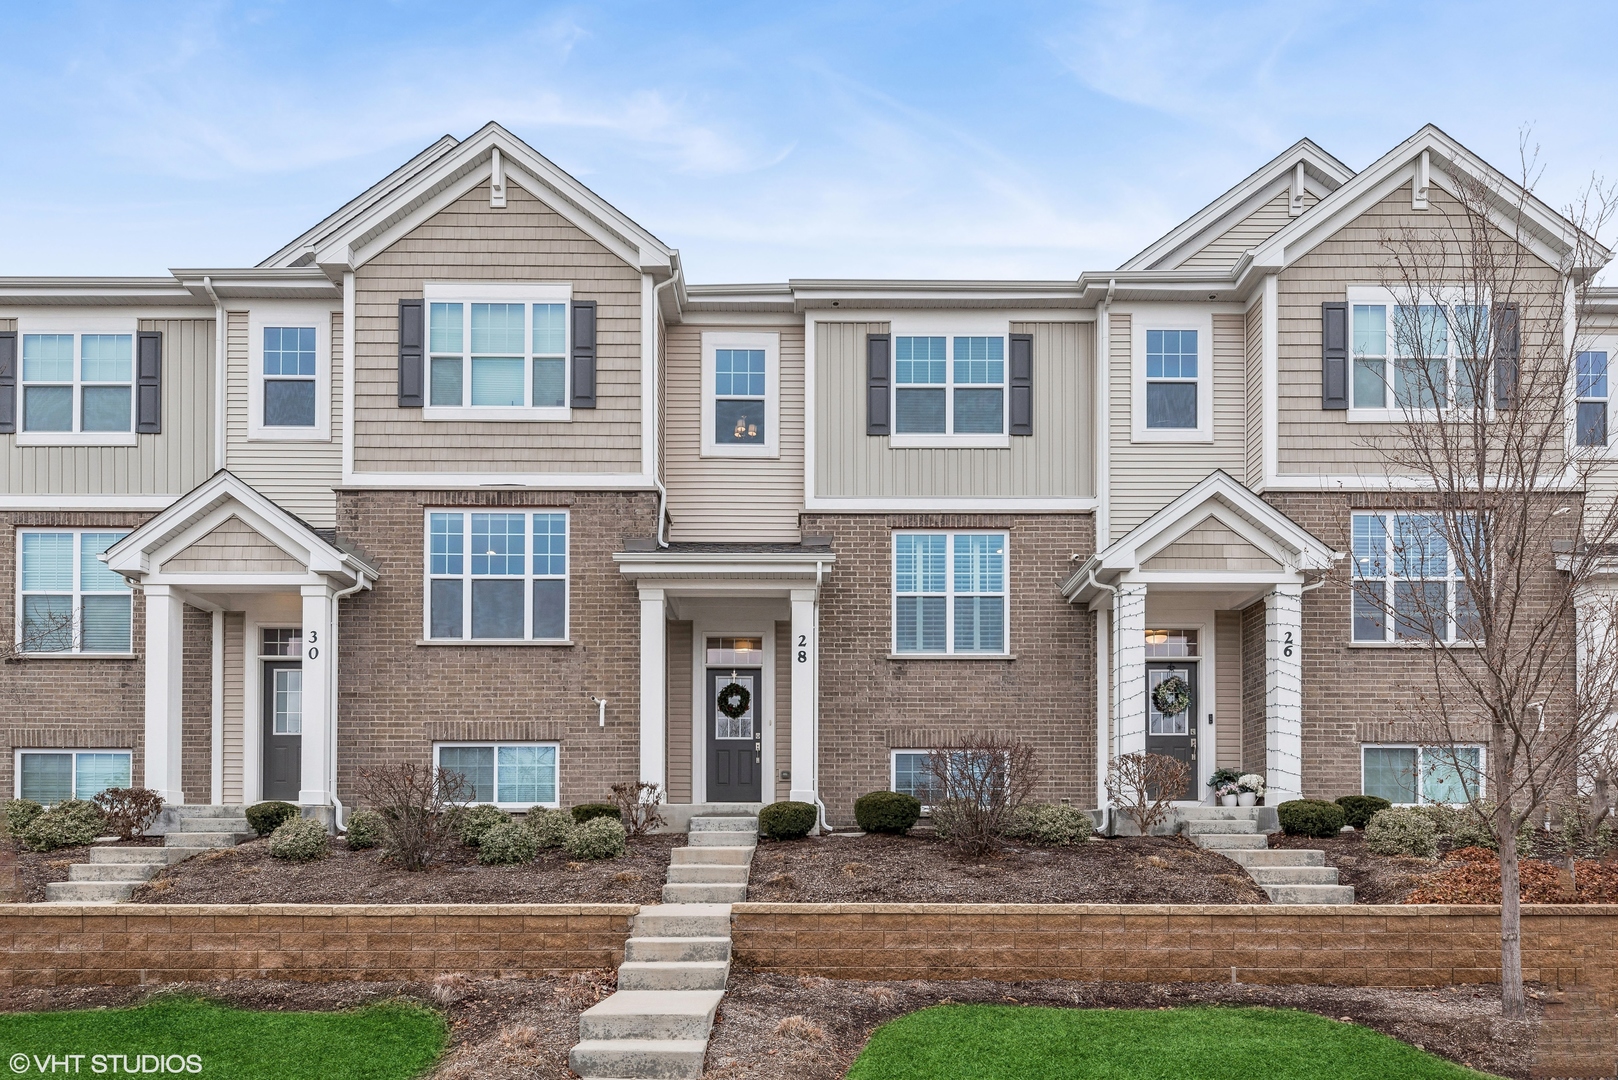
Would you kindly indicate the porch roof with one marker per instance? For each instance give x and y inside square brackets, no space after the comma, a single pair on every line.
[716,567]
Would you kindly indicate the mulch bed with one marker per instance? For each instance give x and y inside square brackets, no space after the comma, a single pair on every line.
[919,869]
[247,874]
[36,869]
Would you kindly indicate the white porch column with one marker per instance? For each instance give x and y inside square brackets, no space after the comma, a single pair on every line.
[805,676]
[318,606]
[653,689]
[1129,682]
[165,676]
[1283,694]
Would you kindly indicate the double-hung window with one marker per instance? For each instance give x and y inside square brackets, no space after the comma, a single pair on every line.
[289,376]
[78,383]
[53,776]
[1171,379]
[515,775]
[1171,374]
[1407,775]
[1407,587]
[502,356]
[1416,358]
[1591,379]
[70,602]
[949,593]
[497,576]
[951,386]
[741,400]
[739,397]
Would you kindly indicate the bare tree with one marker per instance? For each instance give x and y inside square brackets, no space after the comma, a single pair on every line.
[1488,562]
[1145,786]
[419,806]
[977,785]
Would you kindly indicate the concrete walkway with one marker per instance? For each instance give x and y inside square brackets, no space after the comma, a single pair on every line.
[113,872]
[675,964]
[1287,875]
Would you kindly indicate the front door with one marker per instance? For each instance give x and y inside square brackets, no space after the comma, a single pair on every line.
[735,735]
[283,729]
[1173,734]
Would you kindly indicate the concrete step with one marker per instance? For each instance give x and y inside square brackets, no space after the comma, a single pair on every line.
[726,823]
[236,822]
[716,875]
[1293,875]
[651,1014]
[1216,813]
[1277,857]
[711,856]
[683,920]
[652,1059]
[134,856]
[209,811]
[1220,826]
[722,839]
[1309,894]
[88,892]
[683,975]
[204,839]
[672,949]
[136,872]
[1226,841]
[693,893]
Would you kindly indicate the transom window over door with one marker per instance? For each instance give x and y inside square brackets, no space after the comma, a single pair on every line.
[497,351]
[483,583]
[949,385]
[949,593]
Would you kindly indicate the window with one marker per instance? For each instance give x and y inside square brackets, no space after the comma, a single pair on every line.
[289,372]
[740,394]
[951,386]
[483,583]
[1171,374]
[949,593]
[53,776]
[1406,775]
[1592,399]
[500,355]
[289,376]
[78,383]
[1403,568]
[71,602]
[517,775]
[913,776]
[280,641]
[1171,378]
[1417,357]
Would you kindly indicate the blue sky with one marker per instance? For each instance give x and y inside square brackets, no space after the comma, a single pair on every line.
[766,141]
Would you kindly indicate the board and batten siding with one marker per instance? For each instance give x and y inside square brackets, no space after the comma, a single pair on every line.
[234,719]
[677,723]
[1228,690]
[1148,476]
[1056,461]
[469,241]
[1222,251]
[298,476]
[739,499]
[170,463]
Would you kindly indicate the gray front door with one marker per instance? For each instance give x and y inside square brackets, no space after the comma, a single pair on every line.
[735,742]
[283,729]
[1173,735]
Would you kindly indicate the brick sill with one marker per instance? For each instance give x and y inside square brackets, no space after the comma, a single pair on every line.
[21,658]
[499,643]
[1410,645]
[950,656]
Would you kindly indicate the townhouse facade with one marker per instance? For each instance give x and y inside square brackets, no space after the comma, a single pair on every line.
[468,474]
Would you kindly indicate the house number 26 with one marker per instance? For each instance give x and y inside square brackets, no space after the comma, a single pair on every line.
[313,651]
[1286,644]
[803,651]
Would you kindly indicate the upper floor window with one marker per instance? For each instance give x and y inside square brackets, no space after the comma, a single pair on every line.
[289,376]
[740,394]
[288,369]
[1592,398]
[1406,585]
[497,576]
[1171,379]
[1171,386]
[78,383]
[70,602]
[500,359]
[1416,358]
[949,593]
[949,386]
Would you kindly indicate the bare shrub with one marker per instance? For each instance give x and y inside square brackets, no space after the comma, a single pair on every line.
[449,988]
[518,1036]
[1144,787]
[638,803]
[882,996]
[130,810]
[586,987]
[979,784]
[419,805]
[800,1027]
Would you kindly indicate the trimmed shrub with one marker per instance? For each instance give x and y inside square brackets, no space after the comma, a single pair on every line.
[591,810]
[1311,817]
[787,820]
[1470,826]
[365,829]
[299,840]
[266,817]
[887,812]
[20,813]
[598,838]
[130,811]
[67,824]
[1401,830]
[550,827]
[1046,823]
[1359,809]
[507,843]
[472,823]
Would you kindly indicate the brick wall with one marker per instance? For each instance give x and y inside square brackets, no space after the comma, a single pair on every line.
[196,707]
[870,704]
[141,944]
[398,697]
[1253,663]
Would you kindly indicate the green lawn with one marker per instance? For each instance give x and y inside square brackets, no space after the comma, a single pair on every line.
[383,1042]
[1010,1042]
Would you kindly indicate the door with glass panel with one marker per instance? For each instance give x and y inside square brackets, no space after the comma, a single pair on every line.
[1171,699]
[283,729]
[735,729]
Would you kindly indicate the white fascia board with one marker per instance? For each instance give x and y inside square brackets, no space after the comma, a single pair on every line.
[1363,483]
[99,292]
[303,282]
[108,503]
[424,481]
[951,505]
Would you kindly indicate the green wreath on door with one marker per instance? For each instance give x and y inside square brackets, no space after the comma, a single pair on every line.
[1172,696]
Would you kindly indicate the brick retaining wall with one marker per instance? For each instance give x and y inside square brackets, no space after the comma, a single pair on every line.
[132,944]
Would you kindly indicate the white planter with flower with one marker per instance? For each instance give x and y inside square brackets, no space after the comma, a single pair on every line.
[1250,788]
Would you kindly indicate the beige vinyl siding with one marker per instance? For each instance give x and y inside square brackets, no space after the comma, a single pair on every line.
[1255,393]
[728,498]
[1222,252]
[1210,546]
[1309,439]
[1055,462]
[469,241]
[1148,476]
[234,719]
[233,547]
[783,711]
[1228,690]
[299,477]
[677,733]
[170,463]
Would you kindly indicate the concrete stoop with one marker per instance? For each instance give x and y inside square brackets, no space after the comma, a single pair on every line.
[675,964]
[1287,875]
[112,873]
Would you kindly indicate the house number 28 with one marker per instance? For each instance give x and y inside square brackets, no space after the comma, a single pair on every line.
[803,651]
[1286,644]
[313,651]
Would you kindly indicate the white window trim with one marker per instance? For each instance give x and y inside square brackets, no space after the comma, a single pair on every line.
[78,327]
[1393,414]
[75,653]
[528,578]
[771,344]
[1609,346]
[1390,638]
[16,762]
[301,315]
[949,327]
[474,292]
[1419,748]
[1171,317]
[949,652]
[893,770]
[497,743]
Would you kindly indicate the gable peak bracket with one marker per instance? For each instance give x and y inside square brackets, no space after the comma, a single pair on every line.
[1295,196]
[1419,186]
[497,181]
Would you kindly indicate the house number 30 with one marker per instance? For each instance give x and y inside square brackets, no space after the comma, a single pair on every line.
[1286,644]
[803,651]
[313,651]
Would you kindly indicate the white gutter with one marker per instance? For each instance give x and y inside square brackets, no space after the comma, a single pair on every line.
[219,373]
[657,436]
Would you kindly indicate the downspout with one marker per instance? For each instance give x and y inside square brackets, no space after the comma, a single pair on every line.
[1112,692]
[657,478]
[332,640]
[814,698]
[219,373]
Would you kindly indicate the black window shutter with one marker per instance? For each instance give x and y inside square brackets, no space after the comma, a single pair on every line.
[412,363]
[1022,384]
[1507,355]
[878,353]
[584,354]
[8,382]
[148,382]
[1334,355]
